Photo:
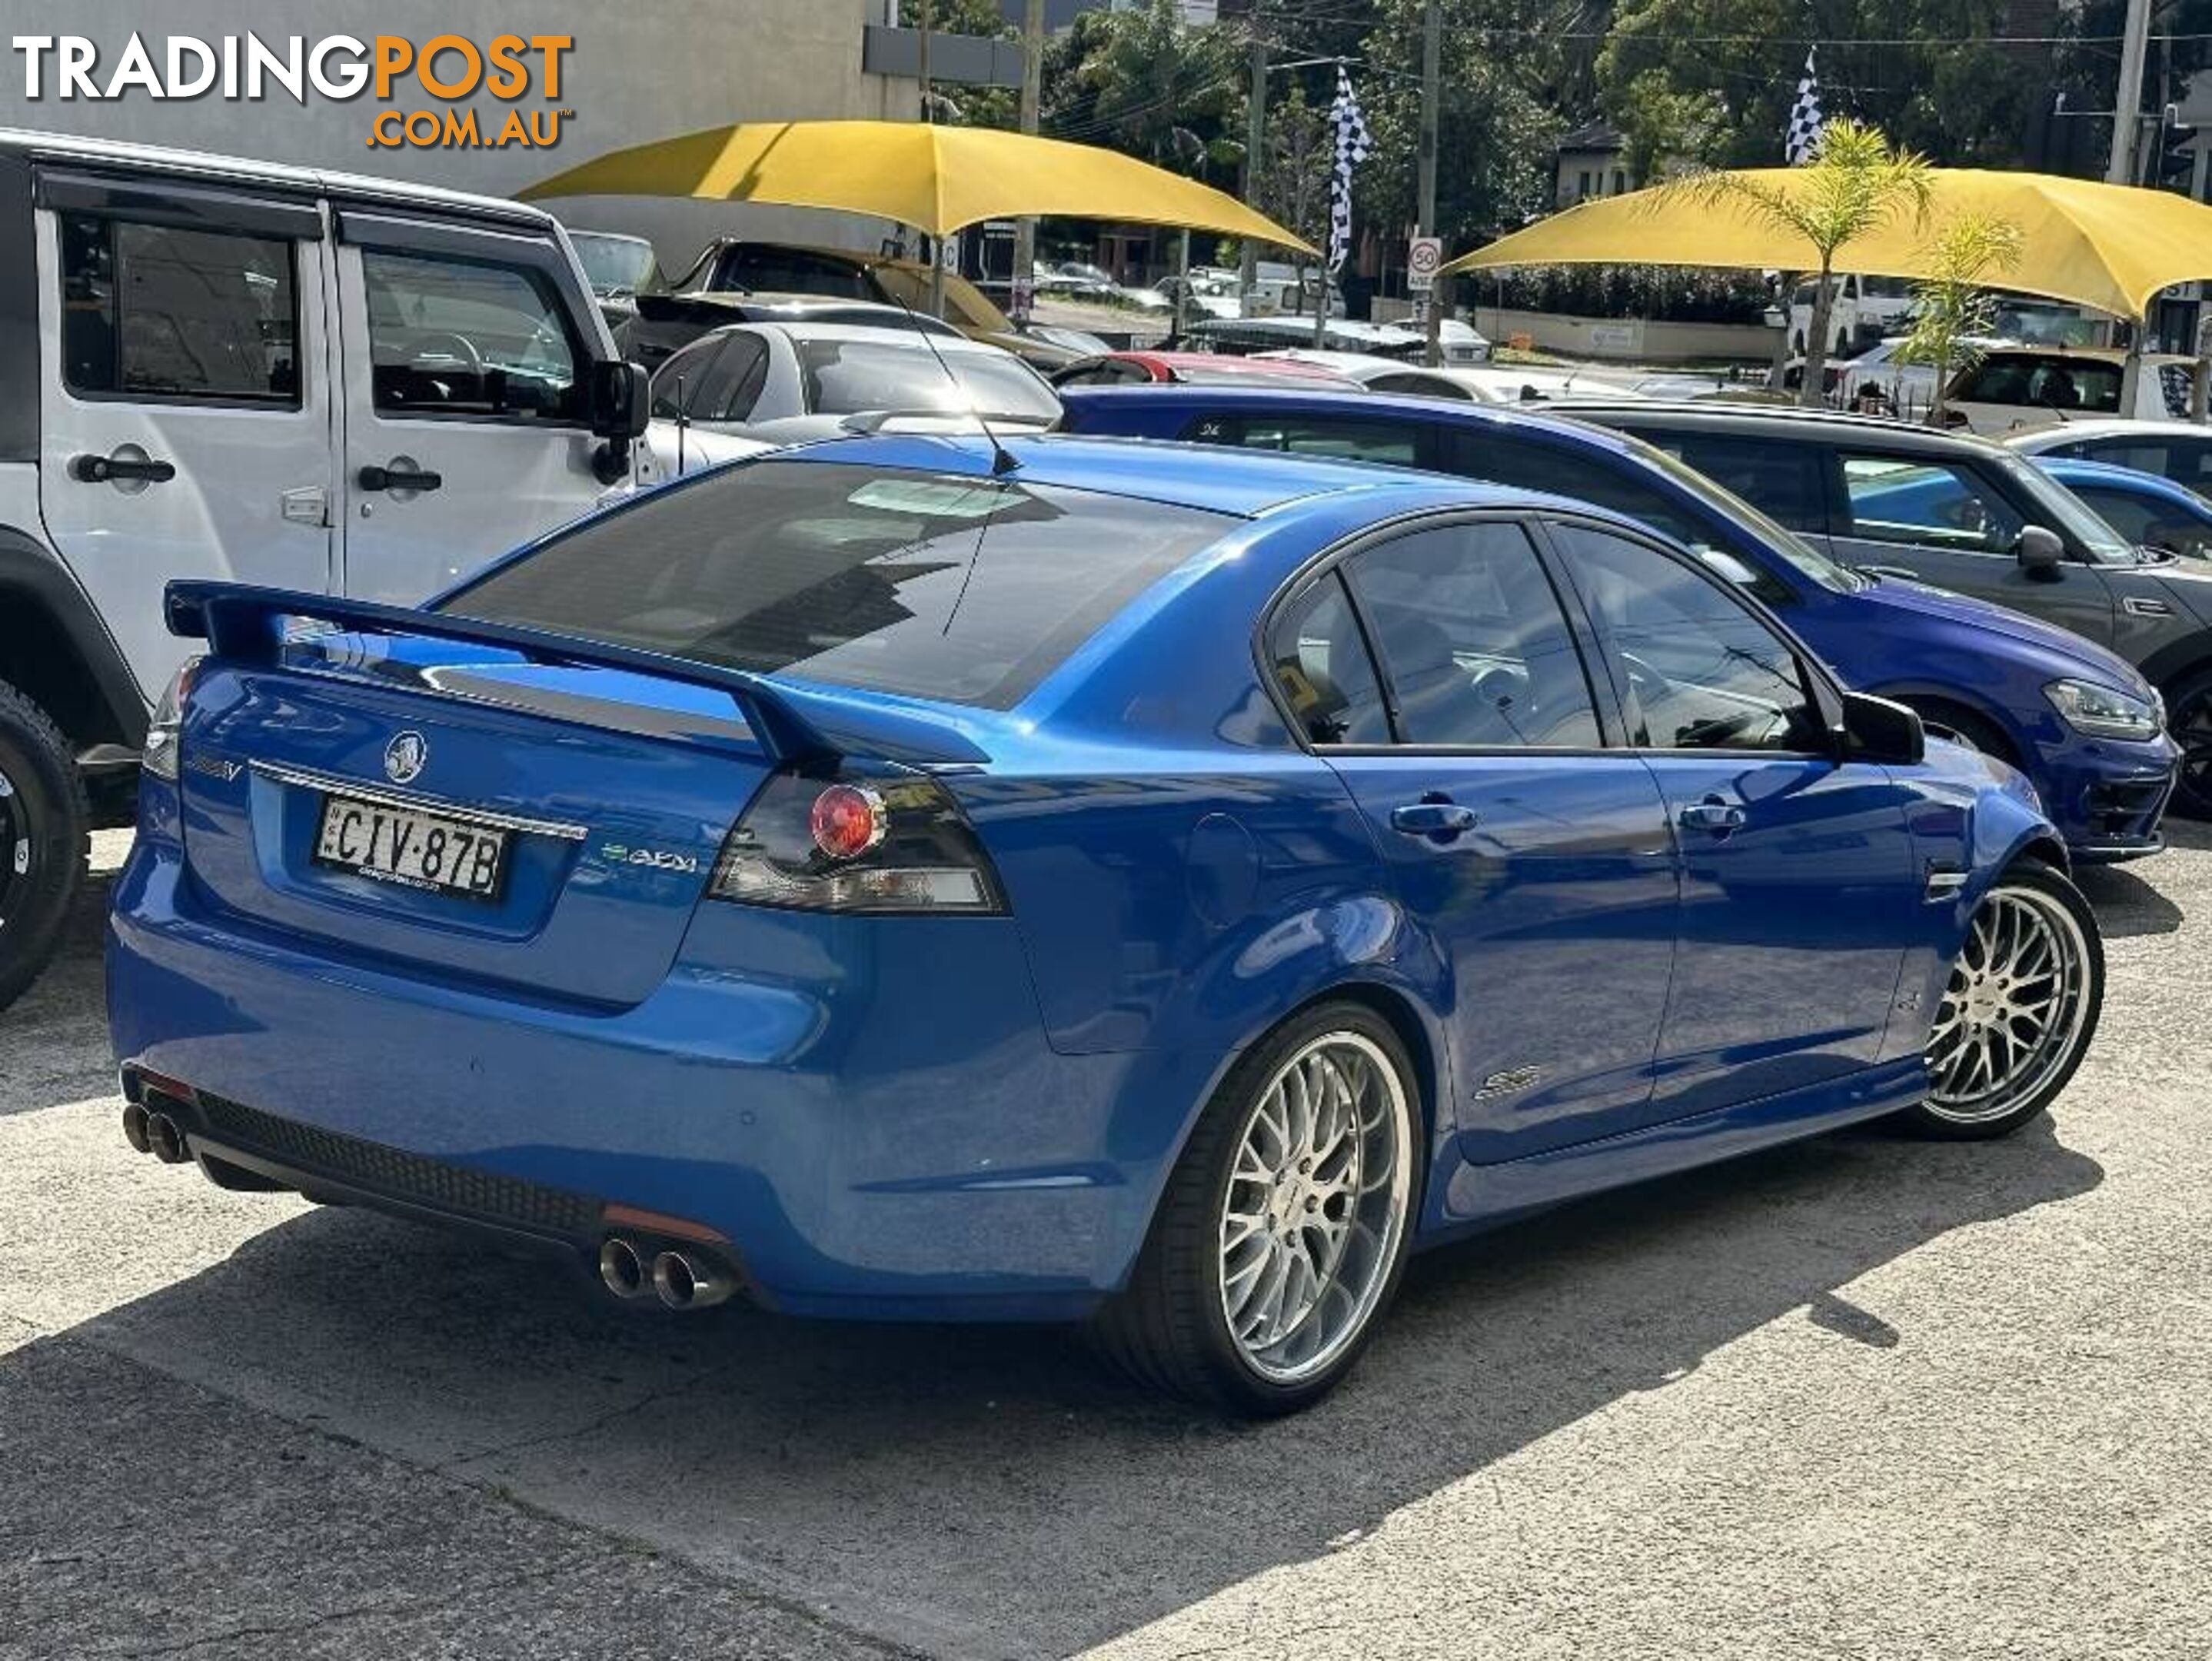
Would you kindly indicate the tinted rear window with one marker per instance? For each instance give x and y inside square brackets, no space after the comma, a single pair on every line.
[933,586]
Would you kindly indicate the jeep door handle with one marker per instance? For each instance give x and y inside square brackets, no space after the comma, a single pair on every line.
[1441,819]
[399,479]
[1713,814]
[105,470]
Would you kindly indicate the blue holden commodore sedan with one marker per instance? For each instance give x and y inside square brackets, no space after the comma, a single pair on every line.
[908,877]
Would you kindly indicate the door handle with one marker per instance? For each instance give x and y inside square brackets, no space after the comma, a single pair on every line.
[105,470]
[1713,814]
[1442,820]
[399,479]
[1904,571]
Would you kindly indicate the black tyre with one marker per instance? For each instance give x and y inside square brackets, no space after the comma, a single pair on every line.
[2020,1010]
[2189,718]
[43,820]
[1283,1232]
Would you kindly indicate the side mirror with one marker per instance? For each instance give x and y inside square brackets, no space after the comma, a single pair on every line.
[1875,729]
[621,405]
[2039,551]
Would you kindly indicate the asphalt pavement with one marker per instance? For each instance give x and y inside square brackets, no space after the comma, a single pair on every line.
[1863,1397]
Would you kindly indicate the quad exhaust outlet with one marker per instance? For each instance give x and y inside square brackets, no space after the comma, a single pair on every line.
[152,1131]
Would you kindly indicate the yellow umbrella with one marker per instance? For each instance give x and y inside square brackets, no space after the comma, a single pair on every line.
[934,178]
[2110,247]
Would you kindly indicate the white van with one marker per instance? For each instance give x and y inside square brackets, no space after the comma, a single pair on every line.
[220,368]
[1865,309]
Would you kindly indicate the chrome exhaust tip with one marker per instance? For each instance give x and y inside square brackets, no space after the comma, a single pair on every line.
[135,1130]
[688,1283]
[165,1140]
[622,1271]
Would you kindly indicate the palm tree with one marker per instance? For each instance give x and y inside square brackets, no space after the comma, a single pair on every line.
[1951,304]
[1855,184]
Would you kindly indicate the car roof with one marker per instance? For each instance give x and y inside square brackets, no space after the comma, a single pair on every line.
[1355,402]
[897,332]
[203,167]
[2072,431]
[1775,420]
[1245,484]
[2072,470]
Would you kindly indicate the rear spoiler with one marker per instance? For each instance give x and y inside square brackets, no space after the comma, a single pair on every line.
[795,726]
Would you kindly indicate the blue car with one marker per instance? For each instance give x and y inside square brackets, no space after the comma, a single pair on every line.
[912,879]
[2083,724]
[2150,510]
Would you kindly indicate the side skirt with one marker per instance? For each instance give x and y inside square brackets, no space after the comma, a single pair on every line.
[1484,1196]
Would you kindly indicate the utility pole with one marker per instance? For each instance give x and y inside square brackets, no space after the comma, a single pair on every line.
[2127,128]
[2127,107]
[1433,54]
[1256,119]
[922,68]
[1025,273]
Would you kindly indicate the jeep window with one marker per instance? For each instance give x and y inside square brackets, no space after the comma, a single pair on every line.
[468,338]
[164,312]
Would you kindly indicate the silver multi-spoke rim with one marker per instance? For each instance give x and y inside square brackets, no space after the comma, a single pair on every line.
[2013,1010]
[1315,1205]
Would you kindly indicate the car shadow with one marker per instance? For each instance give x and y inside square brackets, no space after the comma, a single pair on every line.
[994,1491]
[2126,905]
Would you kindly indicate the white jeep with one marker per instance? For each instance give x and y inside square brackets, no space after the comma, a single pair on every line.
[220,368]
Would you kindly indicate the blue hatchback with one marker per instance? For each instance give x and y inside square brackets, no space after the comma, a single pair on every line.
[2148,509]
[2080,721]
[909,879]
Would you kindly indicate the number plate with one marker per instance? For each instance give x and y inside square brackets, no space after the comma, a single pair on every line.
[416,850]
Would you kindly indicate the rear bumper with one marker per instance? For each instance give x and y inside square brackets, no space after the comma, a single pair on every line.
[893,1140]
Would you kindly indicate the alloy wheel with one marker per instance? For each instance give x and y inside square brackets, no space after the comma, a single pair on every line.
[2018,997]
[1315,1204]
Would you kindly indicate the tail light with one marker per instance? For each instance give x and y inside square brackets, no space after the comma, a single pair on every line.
[158,754]
[854,842]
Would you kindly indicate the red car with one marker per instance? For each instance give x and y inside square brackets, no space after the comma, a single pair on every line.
[1195,369]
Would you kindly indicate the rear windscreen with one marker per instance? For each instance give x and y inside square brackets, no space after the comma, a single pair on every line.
[934,586]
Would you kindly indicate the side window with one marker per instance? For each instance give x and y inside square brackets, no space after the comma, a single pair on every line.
[1422,386]
[790,271]
[741,371]
[678,383]
[1321,662]
[162,312]
[1698,672]
[1782,480]
[1474,640]
[2134,517]
[1351,439]
[468,338]
[1927,504]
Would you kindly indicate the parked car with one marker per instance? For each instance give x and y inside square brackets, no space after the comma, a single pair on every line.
[1461,383]
[664,324]
[2083,724]
[217,368]
[2178,450]
[2147,510]
[756,386]
[1908,388]
[1910,505]
[947,880]
[1259,334]
[2016,387]
[620,269]
[1134,368]
[732,265]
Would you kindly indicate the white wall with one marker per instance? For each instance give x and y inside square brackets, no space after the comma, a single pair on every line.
[638,70]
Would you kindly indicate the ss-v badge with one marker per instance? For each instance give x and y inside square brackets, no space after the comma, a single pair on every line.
[214,767]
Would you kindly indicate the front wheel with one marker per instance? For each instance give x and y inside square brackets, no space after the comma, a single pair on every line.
[1284,1228]
[2019,1008]
[2189,719]
[43,819]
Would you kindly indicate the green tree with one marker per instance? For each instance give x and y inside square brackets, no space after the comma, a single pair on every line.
[1954,304]
[1856,183]
[1146,83]
[967,106]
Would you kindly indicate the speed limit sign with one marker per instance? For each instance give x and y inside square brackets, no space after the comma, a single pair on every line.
[1422,258]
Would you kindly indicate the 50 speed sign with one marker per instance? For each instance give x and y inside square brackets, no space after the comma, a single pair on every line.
[1422,258]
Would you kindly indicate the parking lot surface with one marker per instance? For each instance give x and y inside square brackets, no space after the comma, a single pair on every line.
[1861,1397]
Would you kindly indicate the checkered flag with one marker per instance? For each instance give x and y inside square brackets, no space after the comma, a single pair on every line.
[1803,137]
[1353,144]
